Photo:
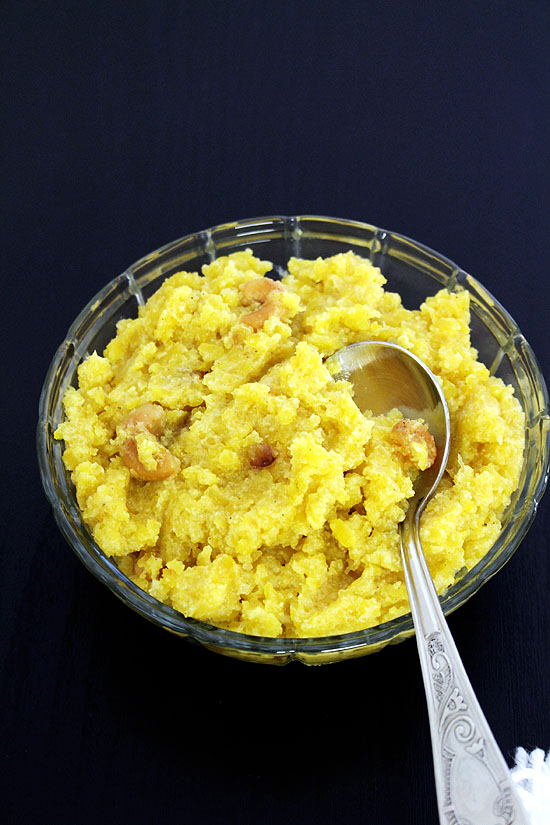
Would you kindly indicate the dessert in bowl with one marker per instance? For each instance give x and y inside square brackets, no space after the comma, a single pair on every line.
[203,464]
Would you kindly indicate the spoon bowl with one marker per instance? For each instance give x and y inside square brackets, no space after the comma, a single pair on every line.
[473,783]
[386,376]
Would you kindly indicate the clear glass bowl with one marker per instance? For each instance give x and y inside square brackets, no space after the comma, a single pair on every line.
[411,269]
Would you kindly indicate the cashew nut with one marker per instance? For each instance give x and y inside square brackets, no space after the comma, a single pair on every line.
[262,455]
[407,434]
[149,419]
[263,291]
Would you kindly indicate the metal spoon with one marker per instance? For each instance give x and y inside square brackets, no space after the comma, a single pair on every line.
[472,779]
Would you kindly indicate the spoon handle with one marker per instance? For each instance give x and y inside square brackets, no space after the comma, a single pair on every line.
[473,782]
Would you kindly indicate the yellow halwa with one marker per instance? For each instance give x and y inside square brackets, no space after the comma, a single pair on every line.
[280,515]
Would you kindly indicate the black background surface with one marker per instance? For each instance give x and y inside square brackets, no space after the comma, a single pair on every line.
[126,126]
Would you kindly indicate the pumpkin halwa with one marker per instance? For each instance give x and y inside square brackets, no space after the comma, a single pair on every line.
[230,477]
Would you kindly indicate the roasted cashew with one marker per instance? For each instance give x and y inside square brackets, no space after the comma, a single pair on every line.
[405,433]
[262,455]
[151,419]
[262,290]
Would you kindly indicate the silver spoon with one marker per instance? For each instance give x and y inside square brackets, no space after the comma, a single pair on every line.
[472,779]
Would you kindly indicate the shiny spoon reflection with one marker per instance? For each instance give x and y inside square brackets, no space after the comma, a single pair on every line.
[472,780]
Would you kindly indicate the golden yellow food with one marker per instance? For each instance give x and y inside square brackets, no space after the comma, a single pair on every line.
[226,473]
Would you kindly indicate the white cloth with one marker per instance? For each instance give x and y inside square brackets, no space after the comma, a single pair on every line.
[531,775]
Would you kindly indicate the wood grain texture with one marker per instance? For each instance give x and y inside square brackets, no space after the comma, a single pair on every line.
[127,126]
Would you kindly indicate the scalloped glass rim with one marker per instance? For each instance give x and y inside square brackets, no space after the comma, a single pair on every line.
[296,233]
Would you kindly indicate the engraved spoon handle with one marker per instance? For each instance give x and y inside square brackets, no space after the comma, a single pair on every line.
[473,782]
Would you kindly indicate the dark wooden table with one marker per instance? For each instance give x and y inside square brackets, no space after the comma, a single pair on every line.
[129,125]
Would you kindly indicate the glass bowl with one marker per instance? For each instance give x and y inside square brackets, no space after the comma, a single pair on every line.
[411,269]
